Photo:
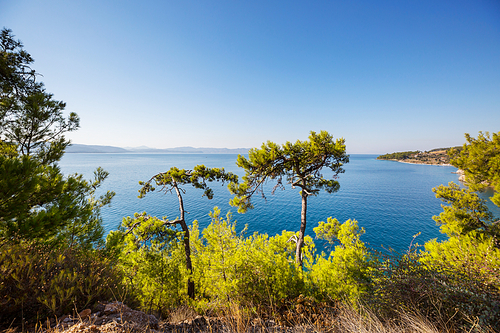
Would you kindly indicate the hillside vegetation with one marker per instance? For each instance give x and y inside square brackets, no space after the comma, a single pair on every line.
[437,156]
[54,259]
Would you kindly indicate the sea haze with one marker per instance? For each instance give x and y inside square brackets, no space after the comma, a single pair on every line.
[392,201]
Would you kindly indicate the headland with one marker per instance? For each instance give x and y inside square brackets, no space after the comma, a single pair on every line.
[437,156]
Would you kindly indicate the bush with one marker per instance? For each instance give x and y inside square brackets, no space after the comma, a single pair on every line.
[448,298]
[345,272]
[37,282]
[254,270]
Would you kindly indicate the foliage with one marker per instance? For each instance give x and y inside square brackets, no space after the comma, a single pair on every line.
[345,272]
[468,262]
[37,281]
[300,164]
[480,161]
[254,270]
[198,178]
[26,185]
[85,229]
[403,155]
[37,202]
[465,212]
[473,255]
[217,258]
[472,251]
[151,257]
[150,248]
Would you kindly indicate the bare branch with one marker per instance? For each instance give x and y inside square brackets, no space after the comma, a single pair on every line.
[293,239]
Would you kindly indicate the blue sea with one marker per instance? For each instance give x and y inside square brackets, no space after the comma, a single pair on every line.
[392,201]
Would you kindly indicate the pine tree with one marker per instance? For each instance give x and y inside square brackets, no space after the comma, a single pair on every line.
[36,200]
[300,164]
[144,228]
[480,161]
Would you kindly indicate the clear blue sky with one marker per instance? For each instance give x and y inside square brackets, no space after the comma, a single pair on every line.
[385,75]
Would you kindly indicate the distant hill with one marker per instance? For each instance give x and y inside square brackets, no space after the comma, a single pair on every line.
[180,150]
[438,156]
[79,148]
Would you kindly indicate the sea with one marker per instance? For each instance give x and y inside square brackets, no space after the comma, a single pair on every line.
[391,201]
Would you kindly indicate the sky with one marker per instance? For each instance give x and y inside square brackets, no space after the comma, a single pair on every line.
[384,75]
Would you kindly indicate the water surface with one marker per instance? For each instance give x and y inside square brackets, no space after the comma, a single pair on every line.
[392,201]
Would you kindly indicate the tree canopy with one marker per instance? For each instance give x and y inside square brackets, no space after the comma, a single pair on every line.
[465,212]
[480,161]
[398,155]
[300,164]
[29,116]
[36,200]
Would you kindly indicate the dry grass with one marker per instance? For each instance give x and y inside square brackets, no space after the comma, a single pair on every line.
[181,314]
[350,320]
[234,318]
[237,318]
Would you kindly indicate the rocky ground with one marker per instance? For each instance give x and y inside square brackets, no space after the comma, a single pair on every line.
[117,317]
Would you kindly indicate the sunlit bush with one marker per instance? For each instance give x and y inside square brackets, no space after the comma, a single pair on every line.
[257,269]
[345,272]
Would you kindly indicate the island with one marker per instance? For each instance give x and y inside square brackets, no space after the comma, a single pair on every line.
[438,156]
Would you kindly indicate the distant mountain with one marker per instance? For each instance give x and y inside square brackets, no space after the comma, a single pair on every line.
[79,148]
[136,148]
[225,150]
[179,150]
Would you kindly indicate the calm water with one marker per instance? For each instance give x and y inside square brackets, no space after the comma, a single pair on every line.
[392,201]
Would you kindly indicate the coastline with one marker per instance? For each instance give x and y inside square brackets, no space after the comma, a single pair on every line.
[416,163]
[421,163]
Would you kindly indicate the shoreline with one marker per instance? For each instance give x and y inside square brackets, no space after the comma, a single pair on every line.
[442,164]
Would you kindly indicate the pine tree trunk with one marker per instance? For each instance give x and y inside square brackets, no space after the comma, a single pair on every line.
[189,265]
[187,248]
[303,221]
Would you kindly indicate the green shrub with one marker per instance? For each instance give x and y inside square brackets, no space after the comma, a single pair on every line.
[151,258]
[37,282]
[345,272]
[254,270]
[226,265]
